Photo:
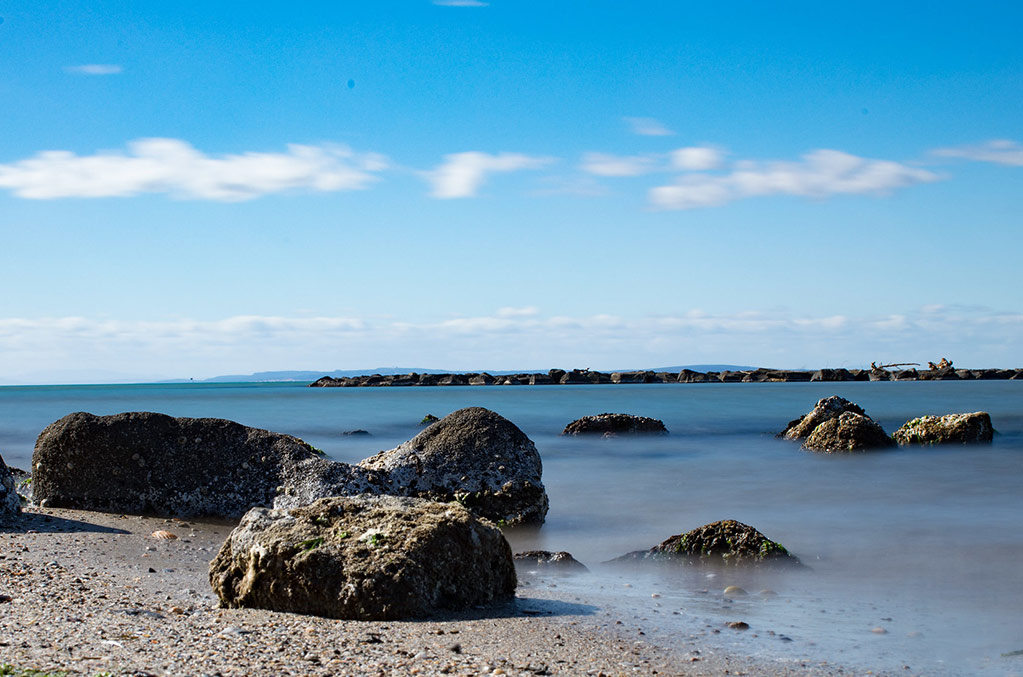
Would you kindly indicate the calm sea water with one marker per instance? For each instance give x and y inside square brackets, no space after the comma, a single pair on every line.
[926,544]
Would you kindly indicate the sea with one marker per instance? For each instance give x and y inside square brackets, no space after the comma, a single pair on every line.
[914,556]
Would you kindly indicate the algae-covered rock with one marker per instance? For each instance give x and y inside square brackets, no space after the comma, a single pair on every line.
[948,429]
[727,542]
[364,558]
[848,432]
[615,424]
[474,456]
[825,409]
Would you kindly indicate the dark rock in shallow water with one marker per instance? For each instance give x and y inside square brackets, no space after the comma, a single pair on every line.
[364,558]
[546,560]
[474,456]
[10,502]
[948,429]
[827,408]
[727,542]
[143,462]
[615,424]
[152,463]
[355,433]
[848,432]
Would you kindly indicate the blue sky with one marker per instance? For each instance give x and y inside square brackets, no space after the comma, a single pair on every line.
[205,188]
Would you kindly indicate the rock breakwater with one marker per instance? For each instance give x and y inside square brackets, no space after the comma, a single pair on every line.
[590,377]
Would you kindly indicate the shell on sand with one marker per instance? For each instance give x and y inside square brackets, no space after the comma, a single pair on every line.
[162,535]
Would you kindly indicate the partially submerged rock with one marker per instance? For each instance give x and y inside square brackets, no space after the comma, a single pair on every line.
[827,408]
[10,502]
[545,560]
[836,424]
[948,429]
[143,462]
[151,463]
[615,424]
[727,542]
[848,432]
[364,558]
[473,456]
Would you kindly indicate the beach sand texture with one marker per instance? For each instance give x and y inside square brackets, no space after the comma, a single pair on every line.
[89,593]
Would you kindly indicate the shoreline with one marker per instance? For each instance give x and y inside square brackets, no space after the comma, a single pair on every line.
[589,377]
[94,592]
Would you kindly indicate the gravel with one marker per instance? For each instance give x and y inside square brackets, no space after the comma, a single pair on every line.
[89,593]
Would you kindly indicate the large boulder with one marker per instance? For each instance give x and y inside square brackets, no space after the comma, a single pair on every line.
[825,409]
[474,456]
[365,558]
[948,429]
[614,424]
[143,462]
[848,432]
[727,542]
[10,502]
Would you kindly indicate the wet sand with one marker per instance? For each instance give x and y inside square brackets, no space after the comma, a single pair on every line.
[88,592]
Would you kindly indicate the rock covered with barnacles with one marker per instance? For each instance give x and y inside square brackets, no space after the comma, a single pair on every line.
[971,428]
[837,425]
[364,558]
[474,456]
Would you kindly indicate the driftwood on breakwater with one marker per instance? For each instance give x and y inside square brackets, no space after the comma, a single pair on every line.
[588,377]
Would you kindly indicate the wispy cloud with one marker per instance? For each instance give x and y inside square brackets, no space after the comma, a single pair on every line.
[819,174]
[95,69]
[999,151]
[691,158]
[462,174]
[648,127]
[512,338]
[602,164]
[697,158]
[460,3]
[175,167]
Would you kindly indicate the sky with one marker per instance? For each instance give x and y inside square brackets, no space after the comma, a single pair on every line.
[192,189]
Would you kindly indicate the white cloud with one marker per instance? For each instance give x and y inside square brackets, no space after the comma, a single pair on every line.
[697,158]
[818,174]
[461,174]
[510,338]
[999,151]
[524,311]
[174,167]
[95,69]
[648,127]
[460,3]
[601,164]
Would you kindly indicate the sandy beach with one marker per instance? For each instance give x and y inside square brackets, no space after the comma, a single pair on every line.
[91,593]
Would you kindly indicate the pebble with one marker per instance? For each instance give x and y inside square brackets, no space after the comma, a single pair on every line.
[734,591]
[879,631]
[738,625]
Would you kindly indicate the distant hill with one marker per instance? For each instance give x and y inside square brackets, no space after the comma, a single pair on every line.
[303,376]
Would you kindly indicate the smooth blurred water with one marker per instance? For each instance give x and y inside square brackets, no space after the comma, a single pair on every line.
[926,543]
